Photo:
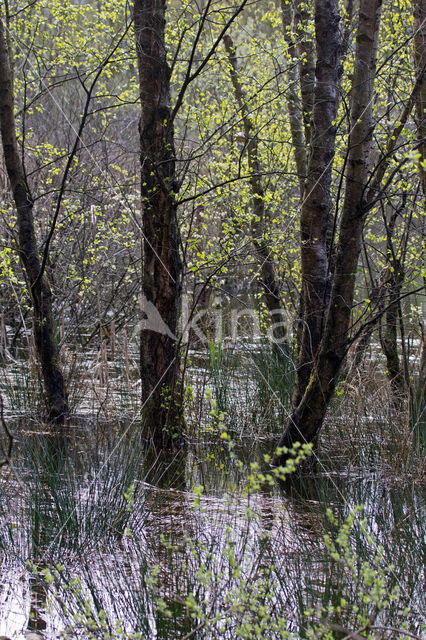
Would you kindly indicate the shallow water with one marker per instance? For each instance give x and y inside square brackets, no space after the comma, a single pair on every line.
[100,538]
[139,547]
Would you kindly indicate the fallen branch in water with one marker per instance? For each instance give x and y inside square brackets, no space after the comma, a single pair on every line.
[7,453]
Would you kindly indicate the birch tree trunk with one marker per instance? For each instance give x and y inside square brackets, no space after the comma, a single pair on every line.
[38,285]
[316,215]
[307,418]
[162,267]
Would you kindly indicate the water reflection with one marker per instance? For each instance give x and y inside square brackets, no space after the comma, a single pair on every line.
[122,542]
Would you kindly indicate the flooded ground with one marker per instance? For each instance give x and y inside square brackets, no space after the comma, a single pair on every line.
[100,538]
[97,540]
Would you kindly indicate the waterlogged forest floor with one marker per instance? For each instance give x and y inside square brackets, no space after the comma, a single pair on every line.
[100,538]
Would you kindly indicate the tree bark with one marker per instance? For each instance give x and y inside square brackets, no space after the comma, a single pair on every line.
[418,397]
[306,50]
[162,413]
[389,336]
[297,114]
[41,294]
[316,215]
[420,65]
[268,277]
[307,419]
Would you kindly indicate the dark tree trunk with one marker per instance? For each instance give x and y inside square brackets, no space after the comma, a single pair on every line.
[41,295]
[420,64]
[389,338]
[389,334]
[316,216]
[307,419]
[162,266]
[268,277]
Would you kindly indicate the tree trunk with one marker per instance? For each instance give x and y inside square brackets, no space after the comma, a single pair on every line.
[389,338]
[41,295]
[306,51]
[300,103]
[297,114]
[393,285]
[316,216]
[162,267]
[420,65]
[308,417]
[268,277]
[418,399]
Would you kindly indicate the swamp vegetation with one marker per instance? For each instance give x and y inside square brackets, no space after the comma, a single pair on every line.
[212,322]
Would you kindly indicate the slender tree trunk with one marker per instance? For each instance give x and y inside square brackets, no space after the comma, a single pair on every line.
[307,418]
[389,336]
[420,65]
[268,277]
[297,115]
[162,266]
[300,103]
[389,339]
[306,53]
[418,398]
[41,295]
[316,215]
